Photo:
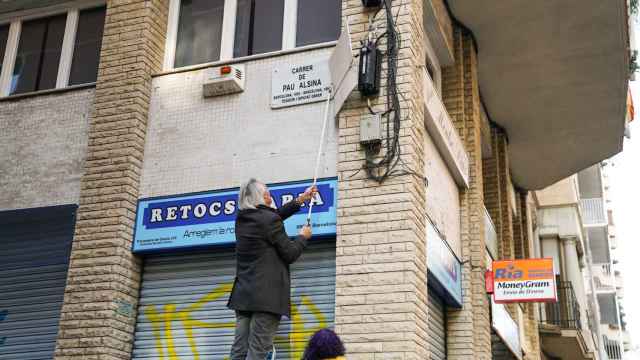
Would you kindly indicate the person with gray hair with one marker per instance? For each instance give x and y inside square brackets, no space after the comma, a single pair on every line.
[261,292]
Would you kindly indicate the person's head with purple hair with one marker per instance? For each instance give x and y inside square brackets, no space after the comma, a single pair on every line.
[324,344]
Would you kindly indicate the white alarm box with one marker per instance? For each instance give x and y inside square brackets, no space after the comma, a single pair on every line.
[223,80]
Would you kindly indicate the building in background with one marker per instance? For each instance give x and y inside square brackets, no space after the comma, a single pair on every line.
[608,280]
[568,328]
[121,154]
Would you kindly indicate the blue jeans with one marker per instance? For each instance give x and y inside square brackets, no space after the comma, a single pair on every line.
[254,335]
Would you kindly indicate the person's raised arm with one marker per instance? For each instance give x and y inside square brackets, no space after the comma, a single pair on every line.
[292,207]
[289,250]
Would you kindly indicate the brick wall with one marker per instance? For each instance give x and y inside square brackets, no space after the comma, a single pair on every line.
[468,328]
[514,233]
[491,186]
[43,144]
[507,248]
[381,290]
[519,229]
[98,313]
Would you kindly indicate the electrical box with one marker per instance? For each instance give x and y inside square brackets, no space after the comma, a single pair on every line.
[223,80]
[371,129]
[369,69]
[371,3]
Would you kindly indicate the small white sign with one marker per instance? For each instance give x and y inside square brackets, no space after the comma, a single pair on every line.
[297,84]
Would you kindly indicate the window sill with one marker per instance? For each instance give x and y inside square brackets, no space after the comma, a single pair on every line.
[248,58]
[47,92]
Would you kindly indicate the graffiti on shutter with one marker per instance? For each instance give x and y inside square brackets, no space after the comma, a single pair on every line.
[183,315]
[168,317]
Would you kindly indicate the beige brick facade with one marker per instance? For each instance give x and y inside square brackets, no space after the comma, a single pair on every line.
[468,329]
[98,314]
[381,289]
[513,230]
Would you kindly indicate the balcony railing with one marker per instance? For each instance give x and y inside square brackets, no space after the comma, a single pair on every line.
[593,212]
[613,349]
[566,312]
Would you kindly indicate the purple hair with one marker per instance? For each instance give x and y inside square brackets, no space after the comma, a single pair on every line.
[324,344]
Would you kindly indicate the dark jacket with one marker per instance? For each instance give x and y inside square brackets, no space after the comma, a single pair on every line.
[263,254]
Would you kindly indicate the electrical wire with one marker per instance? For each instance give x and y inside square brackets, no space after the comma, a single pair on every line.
[379,169]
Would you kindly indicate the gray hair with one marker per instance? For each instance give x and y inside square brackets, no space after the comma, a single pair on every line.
[251,194]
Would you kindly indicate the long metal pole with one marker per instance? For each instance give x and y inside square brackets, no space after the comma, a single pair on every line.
[324,130]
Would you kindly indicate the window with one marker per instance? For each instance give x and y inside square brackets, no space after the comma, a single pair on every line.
[86,51]
[38,56]
[258,27]
[4,35]
[199,32]
[608,312]
[202,31]
[599,244]
[318,21]
[51,52]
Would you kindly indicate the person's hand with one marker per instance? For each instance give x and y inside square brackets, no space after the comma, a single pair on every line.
[305,232]
[308,194]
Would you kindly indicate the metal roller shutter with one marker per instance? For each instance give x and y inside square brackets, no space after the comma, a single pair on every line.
[437,331]
[183,314]
[34,257]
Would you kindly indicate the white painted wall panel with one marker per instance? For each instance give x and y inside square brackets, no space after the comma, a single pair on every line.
[443,197]
[196,143]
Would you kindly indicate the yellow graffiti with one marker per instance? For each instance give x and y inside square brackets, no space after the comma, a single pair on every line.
[162,325]
[299,334]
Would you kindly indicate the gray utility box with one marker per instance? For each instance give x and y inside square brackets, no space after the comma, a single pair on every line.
[371,129]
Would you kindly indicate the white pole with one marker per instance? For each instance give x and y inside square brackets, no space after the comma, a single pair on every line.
[324,130]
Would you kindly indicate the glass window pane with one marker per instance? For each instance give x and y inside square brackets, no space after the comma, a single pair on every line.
[86,52]
[199,32]
[51,52]
[258,27]
[38,56]
[25,69]
[318,21]
[243,24]
[4,35]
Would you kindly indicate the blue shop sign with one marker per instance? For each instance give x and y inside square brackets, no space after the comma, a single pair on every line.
[444,268]
[208,218]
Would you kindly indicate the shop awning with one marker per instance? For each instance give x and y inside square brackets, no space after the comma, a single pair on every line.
[554,75]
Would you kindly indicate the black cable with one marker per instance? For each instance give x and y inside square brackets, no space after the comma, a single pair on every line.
[383,168]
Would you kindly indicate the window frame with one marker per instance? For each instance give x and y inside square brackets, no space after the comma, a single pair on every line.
[289,33]
[15,20]
[432,62]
